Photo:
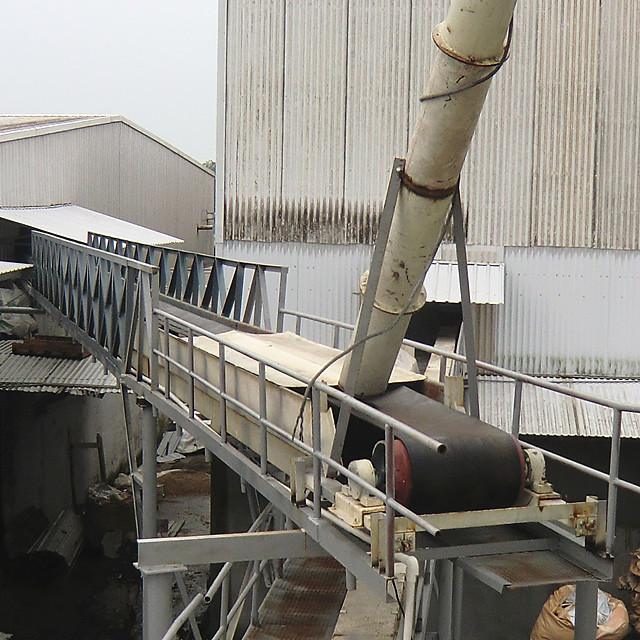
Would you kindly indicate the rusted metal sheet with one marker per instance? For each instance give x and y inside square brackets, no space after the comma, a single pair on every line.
[553,161]
[304,604]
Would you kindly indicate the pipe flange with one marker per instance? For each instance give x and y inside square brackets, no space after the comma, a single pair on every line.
[442,44]
[416,304]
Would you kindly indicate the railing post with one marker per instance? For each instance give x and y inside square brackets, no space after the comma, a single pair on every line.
[614,469]
[192,382]
[167,364]
[255,619]
[263,417]
[317,466]
[517,406]
[390,491]
[223,390]
[281,296]
[154,328]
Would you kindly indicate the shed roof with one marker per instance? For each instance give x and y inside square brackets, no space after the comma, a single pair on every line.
[9,270]
[53,375]
[17,127]
[74,222]
[546,413]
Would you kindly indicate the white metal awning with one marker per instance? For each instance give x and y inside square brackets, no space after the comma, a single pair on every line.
[10,270]
[486,282]
[74,223]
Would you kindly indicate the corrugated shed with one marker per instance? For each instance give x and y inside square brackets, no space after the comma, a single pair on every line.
[568,312]
[112,167]
[53,375]
[546,413]
[553,162]
[75,223]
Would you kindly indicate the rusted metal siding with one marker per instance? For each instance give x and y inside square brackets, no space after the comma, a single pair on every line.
[617,196]
[567,312]
[252,164]
[553,162]
[113,169]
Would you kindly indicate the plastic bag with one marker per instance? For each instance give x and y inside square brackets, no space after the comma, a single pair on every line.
[557,618]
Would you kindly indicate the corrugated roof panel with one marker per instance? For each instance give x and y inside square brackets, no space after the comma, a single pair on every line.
[486,283]
[75,223]
[546,413]
[53,375]
[12,268]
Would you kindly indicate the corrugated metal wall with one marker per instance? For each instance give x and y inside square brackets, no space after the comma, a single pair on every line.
[114,169]
[567,312]
[320,95]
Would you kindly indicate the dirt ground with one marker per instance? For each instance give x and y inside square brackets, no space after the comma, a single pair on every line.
[100,598]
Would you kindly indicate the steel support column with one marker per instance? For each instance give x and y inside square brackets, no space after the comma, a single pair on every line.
[445,601]
[157,614]
[149,471]
[586,610]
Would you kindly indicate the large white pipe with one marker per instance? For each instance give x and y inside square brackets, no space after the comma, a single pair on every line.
[470,41]
[413,570]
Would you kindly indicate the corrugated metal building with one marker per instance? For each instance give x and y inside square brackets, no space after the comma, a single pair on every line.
[317,97]
[107,164]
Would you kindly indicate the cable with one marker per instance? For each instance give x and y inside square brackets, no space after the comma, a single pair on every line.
[395,588]
[300,418]
[479,81]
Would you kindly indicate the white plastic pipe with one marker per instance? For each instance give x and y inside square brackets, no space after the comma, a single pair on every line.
[413,570]
[470,41]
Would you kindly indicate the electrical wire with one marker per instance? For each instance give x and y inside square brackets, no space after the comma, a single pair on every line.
[479,81]
[395,589]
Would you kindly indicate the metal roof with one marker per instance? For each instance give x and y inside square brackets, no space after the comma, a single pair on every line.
[10,270]
[53,375]
[18,127]
[74,222]
[486,283]
[546,413]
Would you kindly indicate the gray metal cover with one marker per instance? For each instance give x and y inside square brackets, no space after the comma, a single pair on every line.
[311,126]
[12,269]
[53,375]
[567,312]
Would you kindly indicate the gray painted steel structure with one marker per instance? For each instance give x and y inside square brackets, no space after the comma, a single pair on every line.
[108,164]
[141,375]
[553,162]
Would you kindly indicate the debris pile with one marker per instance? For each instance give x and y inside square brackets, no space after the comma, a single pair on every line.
[631,582]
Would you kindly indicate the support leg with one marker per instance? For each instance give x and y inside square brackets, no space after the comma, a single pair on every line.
[156,604]
[586,610]
[458,583]
[149,472]
[445,603]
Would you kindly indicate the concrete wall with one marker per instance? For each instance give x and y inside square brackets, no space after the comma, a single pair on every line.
[35,431]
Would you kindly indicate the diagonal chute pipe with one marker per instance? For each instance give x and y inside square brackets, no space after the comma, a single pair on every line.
[471,42]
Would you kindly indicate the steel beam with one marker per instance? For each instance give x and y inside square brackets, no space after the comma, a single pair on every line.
[149,471]
[229,547]
[157,613]
[586,610]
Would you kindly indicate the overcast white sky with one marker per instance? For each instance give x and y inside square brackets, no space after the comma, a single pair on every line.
[152,61]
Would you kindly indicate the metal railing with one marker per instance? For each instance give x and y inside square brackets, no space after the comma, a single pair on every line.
[238,290]
[618,409]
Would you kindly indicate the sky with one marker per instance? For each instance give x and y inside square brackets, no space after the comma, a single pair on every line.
[151,61]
